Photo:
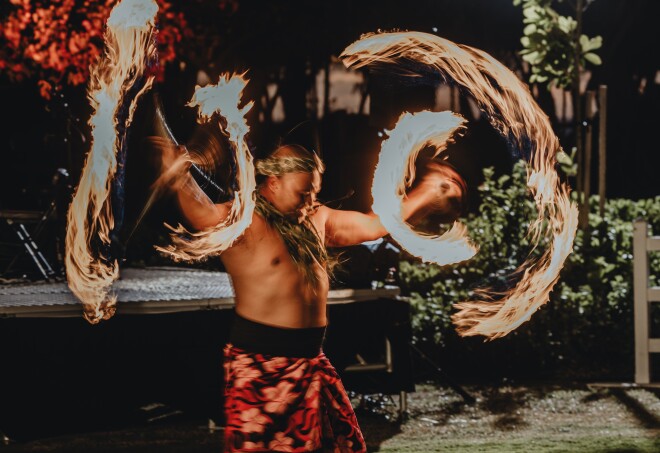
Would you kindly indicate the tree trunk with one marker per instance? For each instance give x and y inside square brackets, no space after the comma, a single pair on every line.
[602,147]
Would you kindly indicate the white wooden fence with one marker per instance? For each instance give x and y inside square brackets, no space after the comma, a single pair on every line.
[644,296]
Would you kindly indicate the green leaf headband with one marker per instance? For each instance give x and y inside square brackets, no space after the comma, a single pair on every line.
[276,166]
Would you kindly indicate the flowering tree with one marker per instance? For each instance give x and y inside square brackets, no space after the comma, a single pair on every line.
[55,41]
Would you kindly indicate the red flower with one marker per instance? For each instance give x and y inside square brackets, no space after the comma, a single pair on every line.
[253,420]
[45,89]
[281,443]
[275,364]
[52,39]
[313,393]
[279,397]
[245,375]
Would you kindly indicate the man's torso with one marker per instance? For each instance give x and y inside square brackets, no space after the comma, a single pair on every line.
[269,287]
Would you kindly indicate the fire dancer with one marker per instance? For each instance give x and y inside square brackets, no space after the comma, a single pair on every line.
[282,393]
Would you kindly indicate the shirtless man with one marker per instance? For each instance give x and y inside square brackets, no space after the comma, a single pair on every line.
[282,394]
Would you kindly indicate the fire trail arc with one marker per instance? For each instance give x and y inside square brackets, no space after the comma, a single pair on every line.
[130,48]
[117,83]
[513,112]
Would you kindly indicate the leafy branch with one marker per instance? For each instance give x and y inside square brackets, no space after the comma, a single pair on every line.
[550,44]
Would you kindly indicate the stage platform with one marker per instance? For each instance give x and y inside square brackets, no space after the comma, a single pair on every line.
[150,291]
[164,345]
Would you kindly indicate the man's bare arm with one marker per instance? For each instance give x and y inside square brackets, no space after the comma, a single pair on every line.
[197,208]
[344,228]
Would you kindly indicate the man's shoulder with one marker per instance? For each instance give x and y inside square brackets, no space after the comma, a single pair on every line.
[253,232]
[323,211]
[258,225]
[322,214]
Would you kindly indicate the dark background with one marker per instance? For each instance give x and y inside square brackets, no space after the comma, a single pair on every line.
[286,41]
[64,375]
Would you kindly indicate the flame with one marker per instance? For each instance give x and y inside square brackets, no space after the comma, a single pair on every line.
[395,171]
[129,43]
[513,112]
[223,98]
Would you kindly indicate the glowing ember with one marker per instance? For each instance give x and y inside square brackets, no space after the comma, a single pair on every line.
[223,98]
[129,42]
[513,112]
[395,172]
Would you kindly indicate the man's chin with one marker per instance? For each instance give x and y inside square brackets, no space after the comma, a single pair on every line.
[292,215]
[299,215]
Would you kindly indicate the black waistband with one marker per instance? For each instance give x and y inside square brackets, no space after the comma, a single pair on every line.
[275,341]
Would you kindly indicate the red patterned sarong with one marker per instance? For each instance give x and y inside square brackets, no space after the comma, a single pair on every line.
[287,404]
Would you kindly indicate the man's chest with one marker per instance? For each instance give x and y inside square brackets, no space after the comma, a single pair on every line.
[254,250]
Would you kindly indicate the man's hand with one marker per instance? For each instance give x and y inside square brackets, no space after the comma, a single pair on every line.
[433,186]
[197,208]
[439,190]
[175,162]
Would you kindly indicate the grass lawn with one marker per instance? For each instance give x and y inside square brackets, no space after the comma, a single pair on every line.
[505,419]
[539,418]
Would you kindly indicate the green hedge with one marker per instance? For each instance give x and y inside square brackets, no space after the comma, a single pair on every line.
[585,330]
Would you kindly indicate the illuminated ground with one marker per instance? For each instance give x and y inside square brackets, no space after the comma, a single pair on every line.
[509,418]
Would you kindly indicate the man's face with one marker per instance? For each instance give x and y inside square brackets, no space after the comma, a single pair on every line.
[297,191]
[444,187]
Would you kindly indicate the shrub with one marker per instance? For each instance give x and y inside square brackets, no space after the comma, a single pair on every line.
[585,330]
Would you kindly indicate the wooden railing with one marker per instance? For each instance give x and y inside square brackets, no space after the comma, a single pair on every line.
[644,296]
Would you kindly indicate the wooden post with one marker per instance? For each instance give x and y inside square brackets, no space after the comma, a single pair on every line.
[602,147]
[455,99]
[641,283]
[326,89]
[588,141]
